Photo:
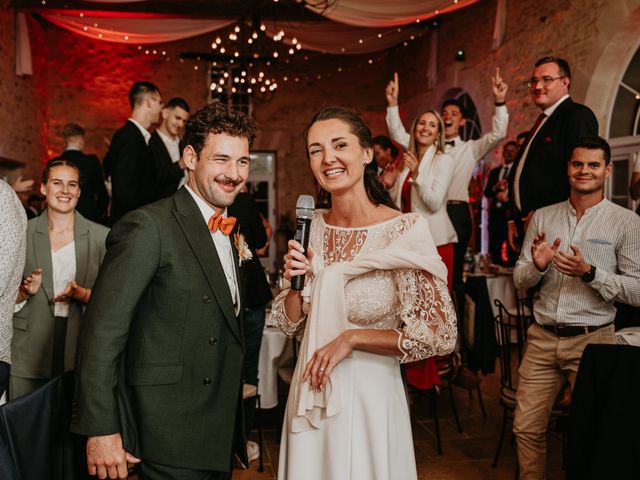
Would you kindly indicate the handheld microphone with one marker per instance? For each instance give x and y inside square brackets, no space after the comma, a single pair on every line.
[304,213]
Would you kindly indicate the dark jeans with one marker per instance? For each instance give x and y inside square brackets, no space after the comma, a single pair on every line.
[4,377]
[461,219]
[253,327]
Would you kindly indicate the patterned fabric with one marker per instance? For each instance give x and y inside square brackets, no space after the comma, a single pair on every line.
[13,230]
[413,302]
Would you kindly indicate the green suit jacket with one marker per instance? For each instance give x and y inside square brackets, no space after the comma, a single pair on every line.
[160,352]
[33,326]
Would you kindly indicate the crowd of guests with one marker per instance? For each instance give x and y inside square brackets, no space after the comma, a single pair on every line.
[161,296]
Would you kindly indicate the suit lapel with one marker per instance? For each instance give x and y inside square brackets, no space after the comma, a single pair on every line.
[195,230]
[81,237]
[42,253]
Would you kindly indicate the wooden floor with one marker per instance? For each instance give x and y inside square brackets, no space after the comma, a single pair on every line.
[467,455]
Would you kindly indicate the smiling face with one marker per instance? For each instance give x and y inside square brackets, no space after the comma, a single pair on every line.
[587,171]
[173,120]
[62,189]
[218,174]
[383,155]
[336,157]
[453,120]
[543,95]
[427,130]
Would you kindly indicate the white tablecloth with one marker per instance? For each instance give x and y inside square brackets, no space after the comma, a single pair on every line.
[274,351]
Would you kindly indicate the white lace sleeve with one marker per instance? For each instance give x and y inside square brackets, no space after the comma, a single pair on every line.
[279,315]
[428,317]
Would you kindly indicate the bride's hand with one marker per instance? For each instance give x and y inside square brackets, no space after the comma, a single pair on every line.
[295,263]
[325,359]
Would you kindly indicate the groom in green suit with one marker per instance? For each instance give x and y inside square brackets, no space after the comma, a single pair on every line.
[159,366]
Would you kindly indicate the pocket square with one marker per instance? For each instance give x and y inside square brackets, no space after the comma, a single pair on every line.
[598,241]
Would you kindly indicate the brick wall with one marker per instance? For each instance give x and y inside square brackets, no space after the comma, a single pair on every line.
[23,100]
[78,79]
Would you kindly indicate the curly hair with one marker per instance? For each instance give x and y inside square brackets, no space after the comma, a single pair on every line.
[216,118]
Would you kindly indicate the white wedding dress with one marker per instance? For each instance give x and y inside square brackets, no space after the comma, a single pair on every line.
[369,438]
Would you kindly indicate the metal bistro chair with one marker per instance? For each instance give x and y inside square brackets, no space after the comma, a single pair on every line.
[507,325]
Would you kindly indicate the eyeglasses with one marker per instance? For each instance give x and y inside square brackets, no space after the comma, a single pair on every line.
[546,81]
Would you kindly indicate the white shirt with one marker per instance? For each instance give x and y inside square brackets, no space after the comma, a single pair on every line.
[63,266]
[173,147]
[145,133]
[504,171]
[516,180]
[609,238]
[223,246]
[467,154]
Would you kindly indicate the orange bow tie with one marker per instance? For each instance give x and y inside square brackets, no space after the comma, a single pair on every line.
[225,225]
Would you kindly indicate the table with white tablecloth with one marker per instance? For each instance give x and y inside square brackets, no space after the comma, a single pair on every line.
[275,350]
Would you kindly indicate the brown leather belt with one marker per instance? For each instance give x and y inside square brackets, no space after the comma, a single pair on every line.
[572,330]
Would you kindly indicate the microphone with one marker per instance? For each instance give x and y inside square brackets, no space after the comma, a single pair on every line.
[304,213]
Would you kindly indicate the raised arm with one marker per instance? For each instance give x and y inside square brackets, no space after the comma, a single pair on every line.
[394,123]
[499,122]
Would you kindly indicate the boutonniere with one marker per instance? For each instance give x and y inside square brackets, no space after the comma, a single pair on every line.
[244,253]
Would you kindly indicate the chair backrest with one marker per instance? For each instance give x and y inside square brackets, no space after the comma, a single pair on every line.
[511,333]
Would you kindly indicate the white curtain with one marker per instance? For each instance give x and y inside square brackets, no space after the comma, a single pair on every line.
[385,13]
[501,24]
[432,65]
[24,66]
[335,38]
[134,30]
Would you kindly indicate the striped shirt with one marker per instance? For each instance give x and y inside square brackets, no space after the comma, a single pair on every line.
[609,238]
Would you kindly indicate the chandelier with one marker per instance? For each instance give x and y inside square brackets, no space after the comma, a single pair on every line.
[243,61]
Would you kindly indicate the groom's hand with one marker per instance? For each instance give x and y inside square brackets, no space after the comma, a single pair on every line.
[106,457]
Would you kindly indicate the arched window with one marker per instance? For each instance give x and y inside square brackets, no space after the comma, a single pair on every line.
[624,133]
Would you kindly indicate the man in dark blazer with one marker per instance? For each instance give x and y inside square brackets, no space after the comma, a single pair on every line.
[168,166]
[128,162]
[496,191]
[539,175]
[159,366]
[94,199]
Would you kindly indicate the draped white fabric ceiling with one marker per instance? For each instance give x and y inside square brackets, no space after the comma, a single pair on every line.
[354,26]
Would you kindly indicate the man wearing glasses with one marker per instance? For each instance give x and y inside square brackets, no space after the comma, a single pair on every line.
[128,162]
[539,177]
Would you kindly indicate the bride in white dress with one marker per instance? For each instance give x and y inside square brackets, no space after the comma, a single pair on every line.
[376,296]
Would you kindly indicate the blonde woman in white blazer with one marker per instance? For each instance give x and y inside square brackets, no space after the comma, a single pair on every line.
[427,172]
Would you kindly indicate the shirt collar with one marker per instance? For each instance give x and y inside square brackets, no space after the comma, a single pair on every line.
[167,138]
[69,149]
[206,209]
[145,133]
[601,204]
[552,108]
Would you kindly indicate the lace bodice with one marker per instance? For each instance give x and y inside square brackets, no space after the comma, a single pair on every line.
[413,302]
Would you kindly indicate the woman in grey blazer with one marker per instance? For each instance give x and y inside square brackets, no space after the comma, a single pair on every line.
[64,251]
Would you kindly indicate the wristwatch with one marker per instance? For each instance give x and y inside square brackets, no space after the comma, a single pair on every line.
[590,275]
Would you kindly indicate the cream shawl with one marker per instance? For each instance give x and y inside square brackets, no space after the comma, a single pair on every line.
[414,249]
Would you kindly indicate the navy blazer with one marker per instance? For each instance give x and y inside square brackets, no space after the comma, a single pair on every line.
[544,180]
